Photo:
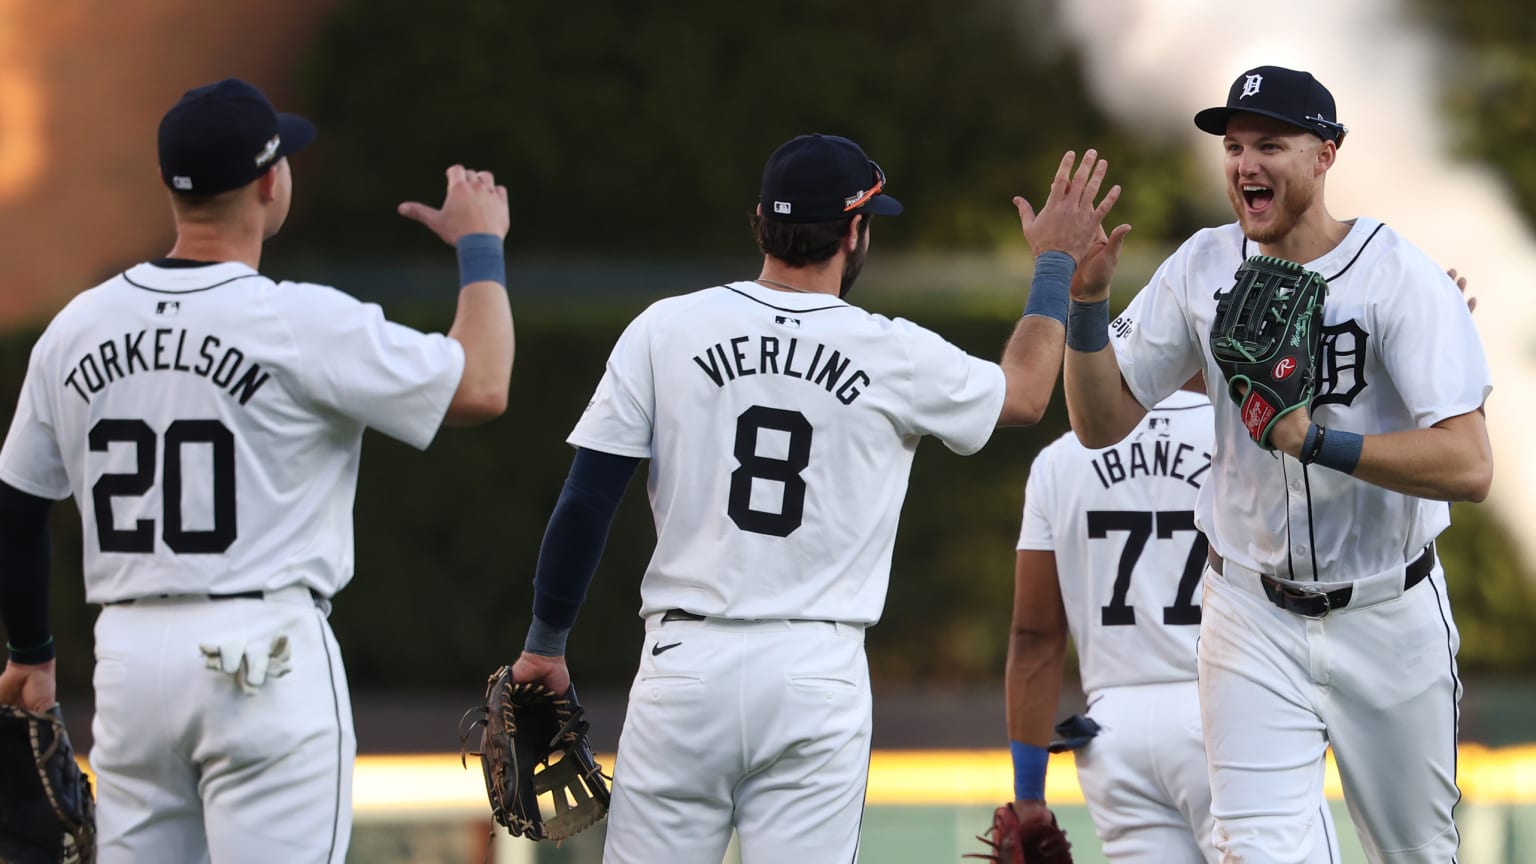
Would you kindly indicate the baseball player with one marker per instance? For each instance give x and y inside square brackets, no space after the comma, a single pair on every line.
[780,422]
[208,420]
[1109,551]
[1325,617]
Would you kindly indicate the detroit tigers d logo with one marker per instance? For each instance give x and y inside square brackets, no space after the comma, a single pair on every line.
[1341,371]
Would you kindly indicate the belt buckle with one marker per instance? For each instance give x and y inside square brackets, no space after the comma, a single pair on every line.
[1309,594]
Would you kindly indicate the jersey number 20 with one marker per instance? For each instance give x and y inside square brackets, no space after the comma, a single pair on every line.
[785,471]
[141,537]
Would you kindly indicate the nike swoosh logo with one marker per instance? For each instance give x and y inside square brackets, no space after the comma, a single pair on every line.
[660,648]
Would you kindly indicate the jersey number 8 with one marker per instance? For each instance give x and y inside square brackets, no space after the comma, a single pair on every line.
[755,467]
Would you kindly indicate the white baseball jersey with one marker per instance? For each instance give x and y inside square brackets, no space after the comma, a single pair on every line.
[1121,522]
[781,429]
[209,422]
[1399,352]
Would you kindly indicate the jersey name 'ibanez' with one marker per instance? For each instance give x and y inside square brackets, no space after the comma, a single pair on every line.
[781,429]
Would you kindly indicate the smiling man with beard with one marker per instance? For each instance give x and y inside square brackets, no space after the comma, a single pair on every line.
[781,423]
[1325,619]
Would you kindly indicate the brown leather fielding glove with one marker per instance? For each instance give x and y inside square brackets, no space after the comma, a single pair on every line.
[1014,842]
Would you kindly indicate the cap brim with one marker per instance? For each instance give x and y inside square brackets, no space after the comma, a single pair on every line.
[296,133]
[1214,120]
[882,205]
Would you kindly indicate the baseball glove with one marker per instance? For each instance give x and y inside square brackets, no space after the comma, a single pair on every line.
[47,814]
[523,728]
[1015,842]
[1266,336]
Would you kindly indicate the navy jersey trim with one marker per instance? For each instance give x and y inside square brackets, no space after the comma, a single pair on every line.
[784,308]
[189,290]
[1358,252]
[1306,479]
[1181,408]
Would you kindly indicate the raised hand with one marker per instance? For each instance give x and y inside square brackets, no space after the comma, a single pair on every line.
[474,204]
[1090,282]
[1070,221]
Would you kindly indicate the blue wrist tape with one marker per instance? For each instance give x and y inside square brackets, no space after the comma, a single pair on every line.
[1029,764]
[1340,450]
[545,640]
[1048,291]
[1088,326]
[481,259]
[31,656]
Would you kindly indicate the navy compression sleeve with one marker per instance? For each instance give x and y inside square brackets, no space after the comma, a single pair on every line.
[24,565]
[574,539]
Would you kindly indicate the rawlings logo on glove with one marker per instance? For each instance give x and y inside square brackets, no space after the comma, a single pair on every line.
[1266,338]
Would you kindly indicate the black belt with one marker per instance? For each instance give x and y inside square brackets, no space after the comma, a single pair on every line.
[684,615]
[239,595]
[1316,604]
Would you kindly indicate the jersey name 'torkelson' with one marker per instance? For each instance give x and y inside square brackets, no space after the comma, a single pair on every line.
[781,429]
[1399,352]
[1128,556]
[208,422]
[166,349]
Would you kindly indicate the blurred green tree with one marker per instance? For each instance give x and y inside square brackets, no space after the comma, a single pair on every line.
[642,127]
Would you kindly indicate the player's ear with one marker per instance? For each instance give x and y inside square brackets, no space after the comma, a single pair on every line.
[1327,153]
[266,186]
[851,235]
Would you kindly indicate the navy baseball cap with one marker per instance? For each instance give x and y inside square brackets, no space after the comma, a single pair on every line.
[224,135]
[823,178]
[1284,94]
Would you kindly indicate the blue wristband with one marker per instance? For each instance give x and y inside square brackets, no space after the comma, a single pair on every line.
[1088,326]
[1340,450]
[1029,764]
[1048,290]
[31,656]
[481,259]
[545,640]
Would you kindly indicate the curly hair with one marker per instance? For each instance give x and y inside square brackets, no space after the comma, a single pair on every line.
[802,244]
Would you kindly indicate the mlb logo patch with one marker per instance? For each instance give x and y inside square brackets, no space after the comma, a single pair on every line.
[182,183]
[786,321]
[781,206]
[168,308]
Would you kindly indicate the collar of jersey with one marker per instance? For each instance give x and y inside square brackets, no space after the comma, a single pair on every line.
[181,280]
[790,300]
[1337,258]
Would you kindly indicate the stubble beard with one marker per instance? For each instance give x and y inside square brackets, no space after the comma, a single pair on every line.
[1287,208]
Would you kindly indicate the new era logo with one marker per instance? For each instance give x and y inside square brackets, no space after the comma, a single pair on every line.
[268,152]
[781,206]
